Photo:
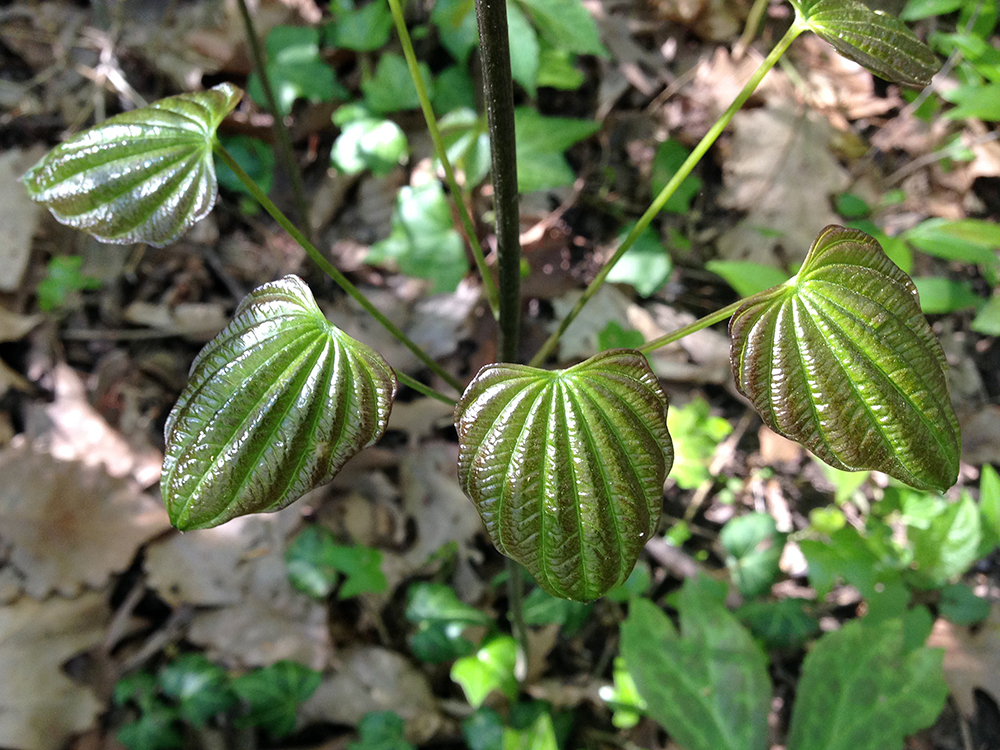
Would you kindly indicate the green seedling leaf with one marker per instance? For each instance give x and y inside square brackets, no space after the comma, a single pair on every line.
[860,688]
[940,295]
[873,38]
[966,240]
[63,280]
[696,434]
[754,546]
[273,695]
[490,668]
[980,101]
[782,624]
[623,698]
[567,467]
[948,546]
[847,556]
[155,729]
[747,277]
[556,69]
[201,688]
[442,619]
[369,143]
[615,337]
[275,405]
[381,730]
[566,24]
[670,155]
[841,359]
[646,265]
[391,89]
[295,70]
[424,243]
[363,29]
[989,510]
[142,176]
[540,143]
[541,608]
[960,605]
[707,686]
[316,563]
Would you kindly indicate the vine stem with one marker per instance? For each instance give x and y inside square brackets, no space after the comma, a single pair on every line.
[489,288]
[342,281]
[284,139]
[797,27]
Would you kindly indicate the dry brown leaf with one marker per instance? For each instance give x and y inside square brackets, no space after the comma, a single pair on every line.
[780,170]
[18,216]
[12,328]
[39,705]
[971,658]
[68,525]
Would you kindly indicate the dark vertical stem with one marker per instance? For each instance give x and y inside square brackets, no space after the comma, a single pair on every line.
[498,89]
[284,139]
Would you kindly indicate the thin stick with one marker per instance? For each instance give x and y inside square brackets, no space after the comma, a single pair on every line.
[489,288]
[700,150]
[342,281]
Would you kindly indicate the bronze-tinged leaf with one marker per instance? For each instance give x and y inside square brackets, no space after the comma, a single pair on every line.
[141,176]
[841,359]
[276,404]
[567,467]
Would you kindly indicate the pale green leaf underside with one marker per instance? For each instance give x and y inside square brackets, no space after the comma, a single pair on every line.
[873,38]
[860,689]
[276,404]
[567,467]
[841,359]
[141,176]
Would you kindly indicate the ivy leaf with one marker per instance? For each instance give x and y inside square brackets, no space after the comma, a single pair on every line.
[381,730]
[274,694]
[754,546]
[490,668]
[947,546]
[202,688]
[707,686]
[567,24]
[142,176]
[840,359]
[873,38]
[860,687]
[541,142]
[315,562]
[567,467]
[275,405]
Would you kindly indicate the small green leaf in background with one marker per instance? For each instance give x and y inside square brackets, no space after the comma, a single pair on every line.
[646,265]
[670,155]
[845,483]
[541,142]
[201,688]
[456,24]
[441,619]
[826,520]
[746,277]
[424,243]
[142,176]
[845,557]
[539,735]
[875,39]
[391,89]
[989,510]
[252,431]
[623,697]
[861,688]
[62,281]
[841,360]
[453,89]
[556,69]
[524,52]
[754,546]
[960,605]
[916,10]
[987,320]
[468,142]
[367,142]
[940,295]
[782,624]
[490,668]
[257,160]
[971,241]
[851,206]
[696,435]
[566,24]
[636,585]
[315,564]
[155,729]
[363,29]
[949,546]
[381,730]
[273,695]
[615,337]
[295,70]
[541,608]
[980,101]
[483,730]
[707,686]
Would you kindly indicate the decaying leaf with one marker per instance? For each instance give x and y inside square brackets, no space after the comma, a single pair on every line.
[971,658]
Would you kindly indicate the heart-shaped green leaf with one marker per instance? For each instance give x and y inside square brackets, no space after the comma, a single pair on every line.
[567,467]
[141,176]
[873,38]
[275,405]
[841,359]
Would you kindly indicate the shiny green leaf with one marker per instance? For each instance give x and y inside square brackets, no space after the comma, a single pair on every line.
[949,544]
[141,176]
[567,467]
[873,38]
[275,405]
[841,359]
[490,668]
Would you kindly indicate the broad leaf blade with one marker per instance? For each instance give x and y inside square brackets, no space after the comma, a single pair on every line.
[708,687]
[567,467]
[860,688]
[275,405]
[841,359]
[873,38]
[142,176]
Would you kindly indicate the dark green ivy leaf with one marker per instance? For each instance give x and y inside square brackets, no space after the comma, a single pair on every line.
[275,405]
[274,695]
[873,38]
[141,176]
[567,467]
[201,687]
[840,359]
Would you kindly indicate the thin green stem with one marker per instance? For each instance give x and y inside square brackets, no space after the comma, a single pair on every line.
[657,205]
[419,387]
[342,281]
[709,320]
[284,139]
[489,288]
